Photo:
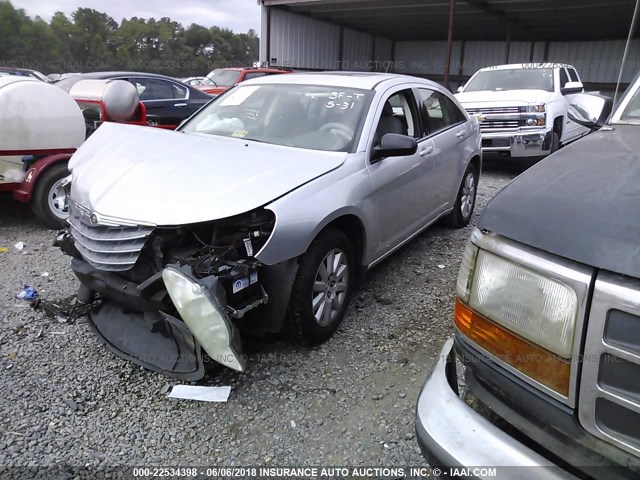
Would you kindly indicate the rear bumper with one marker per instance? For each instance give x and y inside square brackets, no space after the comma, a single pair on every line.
[518,144]
[452,434]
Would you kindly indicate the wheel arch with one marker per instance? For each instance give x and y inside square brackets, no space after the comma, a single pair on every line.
[34,172]
[352,226]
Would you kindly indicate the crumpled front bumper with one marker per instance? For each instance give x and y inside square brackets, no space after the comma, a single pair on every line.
[452,434]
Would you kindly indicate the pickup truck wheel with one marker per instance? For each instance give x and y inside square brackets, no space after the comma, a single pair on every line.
[465,201]
[555,143]
[49,200]
[323,286]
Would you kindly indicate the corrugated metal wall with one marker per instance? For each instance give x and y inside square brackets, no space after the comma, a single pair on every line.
[302,42]
[305,43]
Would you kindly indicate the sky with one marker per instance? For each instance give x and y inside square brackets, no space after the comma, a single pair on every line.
[238,15]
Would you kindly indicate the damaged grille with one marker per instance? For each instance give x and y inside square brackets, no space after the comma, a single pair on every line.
[113,249]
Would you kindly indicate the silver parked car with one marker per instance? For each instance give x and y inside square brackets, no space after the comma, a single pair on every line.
[265,206]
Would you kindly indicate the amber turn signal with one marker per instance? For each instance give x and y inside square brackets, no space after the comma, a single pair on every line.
[535,362]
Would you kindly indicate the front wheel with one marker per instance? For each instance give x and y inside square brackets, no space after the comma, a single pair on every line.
[49,201]
[466,199]
[323,286]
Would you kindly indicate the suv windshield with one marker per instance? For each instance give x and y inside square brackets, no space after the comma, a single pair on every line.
[512,79]
[303,116]
[224,78]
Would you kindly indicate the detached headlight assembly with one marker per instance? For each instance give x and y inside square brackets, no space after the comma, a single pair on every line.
[524,318]
[205,317]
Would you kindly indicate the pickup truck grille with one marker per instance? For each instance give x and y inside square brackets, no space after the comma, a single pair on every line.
[508,118]
[493,110]
[610,388]
[113,249]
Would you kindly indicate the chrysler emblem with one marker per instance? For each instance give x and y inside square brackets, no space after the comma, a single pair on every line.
[93,219]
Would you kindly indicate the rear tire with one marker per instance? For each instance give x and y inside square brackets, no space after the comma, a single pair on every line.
[47,201]
[466,199]
[323,287]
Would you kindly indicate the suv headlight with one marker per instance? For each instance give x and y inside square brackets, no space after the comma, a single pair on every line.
[532,109]
[524,318]
[531,305]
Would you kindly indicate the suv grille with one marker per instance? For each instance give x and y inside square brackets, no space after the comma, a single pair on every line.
[112,249]
[610,393]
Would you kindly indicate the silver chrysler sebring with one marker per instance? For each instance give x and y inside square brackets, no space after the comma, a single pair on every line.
[261,212]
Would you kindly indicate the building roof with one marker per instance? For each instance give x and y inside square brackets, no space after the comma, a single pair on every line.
[474,19]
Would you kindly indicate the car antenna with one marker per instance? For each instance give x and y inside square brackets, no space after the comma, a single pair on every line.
[626,50]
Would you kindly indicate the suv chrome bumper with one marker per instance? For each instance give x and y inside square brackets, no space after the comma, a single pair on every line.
[518,144]
[452,434]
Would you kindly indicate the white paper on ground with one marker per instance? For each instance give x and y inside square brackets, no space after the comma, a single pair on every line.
[201,394]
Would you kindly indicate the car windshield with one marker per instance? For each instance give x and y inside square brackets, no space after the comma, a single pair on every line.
[224,78]
[512,79]
[631,113]
[303,116]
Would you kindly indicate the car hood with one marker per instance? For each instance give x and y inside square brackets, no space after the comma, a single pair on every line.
[580,203]
[153,176]
[505,98]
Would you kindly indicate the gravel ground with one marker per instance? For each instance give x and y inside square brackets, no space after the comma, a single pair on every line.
[67,400]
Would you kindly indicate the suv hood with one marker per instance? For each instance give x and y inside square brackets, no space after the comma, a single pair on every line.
[507,98]
[152,176]
[580,203]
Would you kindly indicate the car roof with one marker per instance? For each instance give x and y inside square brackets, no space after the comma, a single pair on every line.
[107,75]
[360,80]
[527,66]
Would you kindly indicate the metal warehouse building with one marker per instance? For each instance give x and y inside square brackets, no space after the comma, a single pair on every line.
[422,37]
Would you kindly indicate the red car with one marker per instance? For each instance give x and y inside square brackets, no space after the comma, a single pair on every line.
[225,78]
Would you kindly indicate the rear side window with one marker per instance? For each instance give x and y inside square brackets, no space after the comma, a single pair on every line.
[564,78]
[438,112]
[157,89]
[573,75]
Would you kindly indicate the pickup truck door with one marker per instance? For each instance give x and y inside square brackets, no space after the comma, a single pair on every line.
[570,129]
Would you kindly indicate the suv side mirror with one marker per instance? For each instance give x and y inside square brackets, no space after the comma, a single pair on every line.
[572,87]
[460,88]
[590,110]
[394,145]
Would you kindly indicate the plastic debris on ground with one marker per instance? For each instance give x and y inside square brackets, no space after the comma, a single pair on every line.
[200,394]
[27,293]
[4,250]
[441,267]
[19,246]
[44,274]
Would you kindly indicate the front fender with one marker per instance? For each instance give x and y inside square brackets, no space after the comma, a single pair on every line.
[24,192]
[302,214]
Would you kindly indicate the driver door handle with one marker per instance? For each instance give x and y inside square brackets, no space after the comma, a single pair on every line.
[427,150]
[461,134]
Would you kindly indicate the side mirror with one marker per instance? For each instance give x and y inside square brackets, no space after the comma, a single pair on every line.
[590,110]
[572,87]
[394,145]
[460,88]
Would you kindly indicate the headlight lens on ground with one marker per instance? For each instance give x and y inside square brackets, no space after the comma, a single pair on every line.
[204,317]
[538,308]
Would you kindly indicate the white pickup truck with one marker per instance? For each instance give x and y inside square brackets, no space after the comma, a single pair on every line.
[523,107]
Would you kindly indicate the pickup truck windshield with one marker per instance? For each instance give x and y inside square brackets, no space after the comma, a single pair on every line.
[303,116]
[512,79]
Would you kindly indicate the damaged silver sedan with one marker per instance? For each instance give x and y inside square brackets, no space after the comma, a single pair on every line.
[261,212]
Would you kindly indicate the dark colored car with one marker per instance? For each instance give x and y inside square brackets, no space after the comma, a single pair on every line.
[24,72]
[167,100]
[225,78]
[547,318]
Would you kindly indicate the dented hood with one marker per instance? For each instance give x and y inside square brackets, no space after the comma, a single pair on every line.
[154,176]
